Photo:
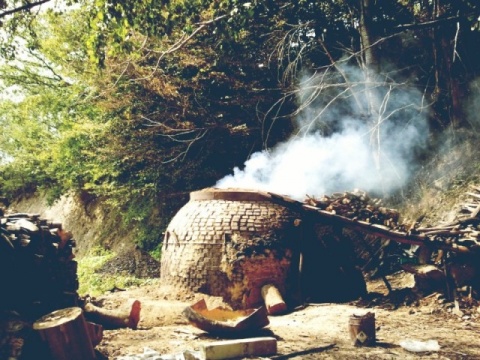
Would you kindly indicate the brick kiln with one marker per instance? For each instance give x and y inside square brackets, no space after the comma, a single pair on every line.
[231,243]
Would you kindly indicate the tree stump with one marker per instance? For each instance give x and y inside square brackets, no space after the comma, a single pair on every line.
[66,334]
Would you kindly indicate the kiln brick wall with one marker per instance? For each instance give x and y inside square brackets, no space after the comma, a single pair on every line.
[197,251]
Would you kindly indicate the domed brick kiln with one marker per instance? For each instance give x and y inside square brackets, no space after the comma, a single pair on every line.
[231,243]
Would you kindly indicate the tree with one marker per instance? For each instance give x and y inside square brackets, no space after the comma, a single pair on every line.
[46,107]
[149,98]
[14,7]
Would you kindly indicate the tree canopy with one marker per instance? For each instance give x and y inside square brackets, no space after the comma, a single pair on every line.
[141,102]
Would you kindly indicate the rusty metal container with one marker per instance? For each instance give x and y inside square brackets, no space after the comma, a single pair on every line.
[362,329]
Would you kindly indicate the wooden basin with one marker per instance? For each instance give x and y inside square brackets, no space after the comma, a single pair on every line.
[222,320]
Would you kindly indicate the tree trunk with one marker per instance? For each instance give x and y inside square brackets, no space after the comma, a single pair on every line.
[370,68]
[366,37]
[446,93]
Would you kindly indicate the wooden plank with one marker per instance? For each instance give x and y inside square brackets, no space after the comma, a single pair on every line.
[240,348]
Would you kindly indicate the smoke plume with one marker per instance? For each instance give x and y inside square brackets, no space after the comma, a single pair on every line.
[336,146]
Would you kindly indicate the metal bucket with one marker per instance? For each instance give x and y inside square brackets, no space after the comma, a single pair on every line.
[362,329]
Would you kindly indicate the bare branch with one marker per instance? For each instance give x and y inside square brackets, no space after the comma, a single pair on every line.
[340,71]
[180,43]
[289,44]
[182,154]
[426,24]
[22,8]
[455,53]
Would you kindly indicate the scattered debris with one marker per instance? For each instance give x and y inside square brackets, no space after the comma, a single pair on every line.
[42,250]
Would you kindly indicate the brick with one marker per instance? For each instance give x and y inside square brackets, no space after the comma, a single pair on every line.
[237,348]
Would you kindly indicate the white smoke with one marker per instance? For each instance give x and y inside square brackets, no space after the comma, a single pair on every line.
[473,105]
[333,150]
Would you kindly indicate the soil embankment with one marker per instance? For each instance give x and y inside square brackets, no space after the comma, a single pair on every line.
[91,224]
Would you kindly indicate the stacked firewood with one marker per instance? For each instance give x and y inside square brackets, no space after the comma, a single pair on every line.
[462,234]
[357,205]
[37,270]
[455,246]
[465,230]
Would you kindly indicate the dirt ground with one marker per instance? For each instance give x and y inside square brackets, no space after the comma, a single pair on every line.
[315,331]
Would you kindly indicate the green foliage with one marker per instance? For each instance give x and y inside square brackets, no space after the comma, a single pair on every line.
[137,213]
[94,283]
[164,116]
[156,253]
[113,22]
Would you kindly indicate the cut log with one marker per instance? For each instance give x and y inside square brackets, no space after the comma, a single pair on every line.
[114,319]
[66,334]
[95,332]
[273,300]
[428,278]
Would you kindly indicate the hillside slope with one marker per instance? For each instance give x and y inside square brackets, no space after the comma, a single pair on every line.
[88,224]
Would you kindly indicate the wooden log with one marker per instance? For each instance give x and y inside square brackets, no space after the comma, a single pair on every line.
[273,300]
[477,196]
[376,230]
[428,278]
[475,212]
[435,228]
[95,332]
[66,334]
[114,319]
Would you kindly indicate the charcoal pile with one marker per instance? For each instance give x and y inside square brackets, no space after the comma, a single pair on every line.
[357,205]
[37,270]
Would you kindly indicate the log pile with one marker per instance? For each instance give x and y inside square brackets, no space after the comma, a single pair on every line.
[38,280]
[37,270]
[461,235]
[357,205]
[454,248]
[464,232]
